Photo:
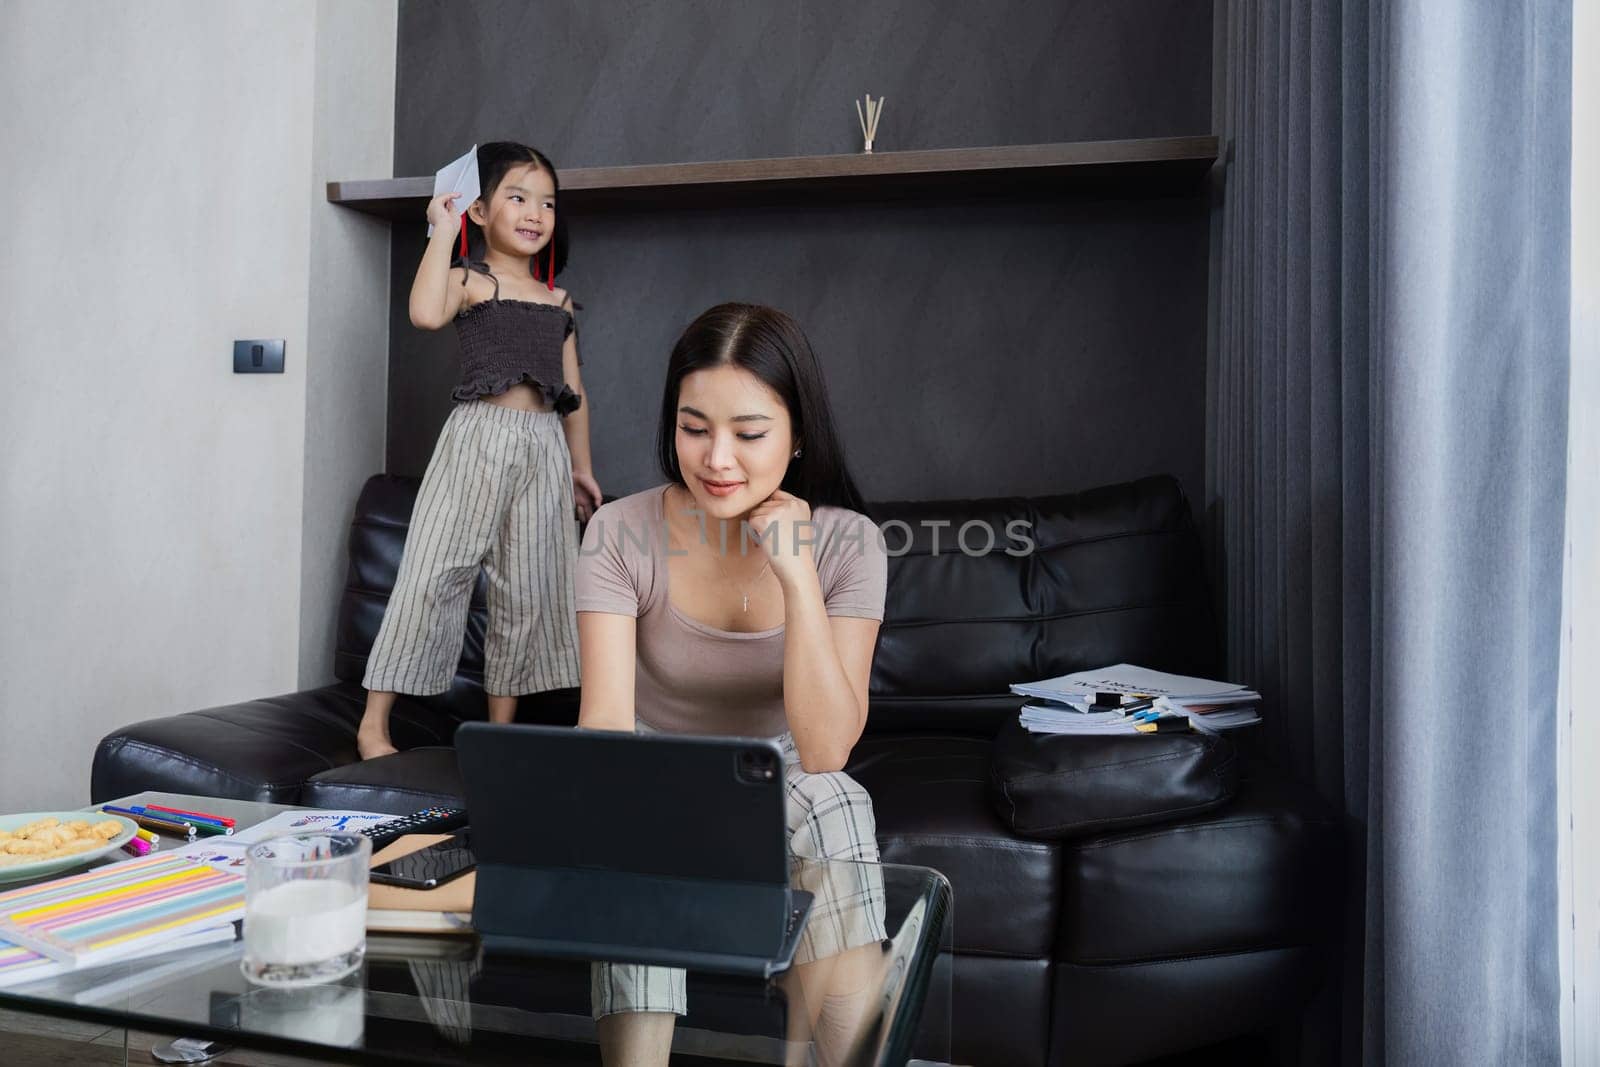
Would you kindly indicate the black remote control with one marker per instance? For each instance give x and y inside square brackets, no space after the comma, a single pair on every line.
[426,821]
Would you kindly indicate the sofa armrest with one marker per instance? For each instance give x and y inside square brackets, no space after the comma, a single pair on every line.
[1058,786]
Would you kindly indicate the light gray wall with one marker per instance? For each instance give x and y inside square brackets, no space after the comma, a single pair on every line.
[158,167]
[347,353]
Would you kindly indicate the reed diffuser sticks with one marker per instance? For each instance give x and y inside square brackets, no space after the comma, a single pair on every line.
[869,118]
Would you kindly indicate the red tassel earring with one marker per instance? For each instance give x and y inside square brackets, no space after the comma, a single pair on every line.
[550,272]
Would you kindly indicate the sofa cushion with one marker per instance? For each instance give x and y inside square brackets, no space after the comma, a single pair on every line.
[1059,786]
[259,750]
[1071,582]
[1132,1012]
[930,796]
[400,783]
[1263,872]
[997,1012]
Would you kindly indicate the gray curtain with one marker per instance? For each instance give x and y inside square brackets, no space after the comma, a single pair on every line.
[1385,482]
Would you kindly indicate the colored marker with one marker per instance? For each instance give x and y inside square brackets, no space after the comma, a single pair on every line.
[223,819]
[202,824]
[182,829]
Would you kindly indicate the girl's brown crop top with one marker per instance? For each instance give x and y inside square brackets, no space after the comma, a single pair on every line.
[509,342]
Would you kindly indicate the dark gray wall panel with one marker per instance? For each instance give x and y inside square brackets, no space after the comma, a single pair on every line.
[605,82]
[972,348]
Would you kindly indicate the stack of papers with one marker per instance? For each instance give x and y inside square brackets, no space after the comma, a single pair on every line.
[1069,704]
[1054,719]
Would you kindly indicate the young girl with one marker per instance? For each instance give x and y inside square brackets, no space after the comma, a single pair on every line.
[511,462]
[744,597]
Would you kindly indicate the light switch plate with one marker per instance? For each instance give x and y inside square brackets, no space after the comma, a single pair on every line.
[259,356]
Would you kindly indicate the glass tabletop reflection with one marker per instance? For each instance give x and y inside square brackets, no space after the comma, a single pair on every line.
[861,983]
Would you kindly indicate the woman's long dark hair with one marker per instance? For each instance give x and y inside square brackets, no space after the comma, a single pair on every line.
[770,345]
[495,160]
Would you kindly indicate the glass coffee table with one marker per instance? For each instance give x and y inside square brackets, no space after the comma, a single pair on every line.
[442,999]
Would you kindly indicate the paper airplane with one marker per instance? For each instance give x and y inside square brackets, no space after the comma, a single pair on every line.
[458,176]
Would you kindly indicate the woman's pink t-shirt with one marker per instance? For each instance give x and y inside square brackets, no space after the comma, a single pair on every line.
[692,678]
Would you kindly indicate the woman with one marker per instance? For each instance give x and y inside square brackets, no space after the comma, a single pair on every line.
[743,597]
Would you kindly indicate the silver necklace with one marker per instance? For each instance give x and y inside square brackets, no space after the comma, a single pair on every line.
[744,594]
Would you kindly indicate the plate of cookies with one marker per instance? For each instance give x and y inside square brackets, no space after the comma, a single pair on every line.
[45,842]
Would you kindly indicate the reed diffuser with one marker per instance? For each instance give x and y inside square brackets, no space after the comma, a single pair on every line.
[869,119]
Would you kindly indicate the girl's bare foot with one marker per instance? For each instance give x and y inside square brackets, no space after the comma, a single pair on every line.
[374,742]
[372,736]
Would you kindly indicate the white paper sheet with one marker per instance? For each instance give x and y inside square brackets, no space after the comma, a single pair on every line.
[460,175]
[302,822]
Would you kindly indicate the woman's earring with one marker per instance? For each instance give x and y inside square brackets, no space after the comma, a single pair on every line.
[550,273]
[797,452]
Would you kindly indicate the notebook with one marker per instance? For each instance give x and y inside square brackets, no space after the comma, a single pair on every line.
[642,848]
[395,909]
[120,910]
[18,964]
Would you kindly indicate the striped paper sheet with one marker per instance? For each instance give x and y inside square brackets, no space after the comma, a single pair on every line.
[120,910]
[18,964]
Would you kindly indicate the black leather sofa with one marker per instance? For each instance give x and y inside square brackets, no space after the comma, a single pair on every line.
[1154,899]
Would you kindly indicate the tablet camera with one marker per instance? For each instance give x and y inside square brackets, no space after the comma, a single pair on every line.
[757,765]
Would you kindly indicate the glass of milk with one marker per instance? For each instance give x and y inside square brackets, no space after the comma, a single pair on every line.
[305,908]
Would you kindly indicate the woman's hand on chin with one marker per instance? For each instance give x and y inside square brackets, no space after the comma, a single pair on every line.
[782,523]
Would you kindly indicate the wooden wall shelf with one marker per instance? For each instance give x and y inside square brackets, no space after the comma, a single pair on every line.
[1146,166]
